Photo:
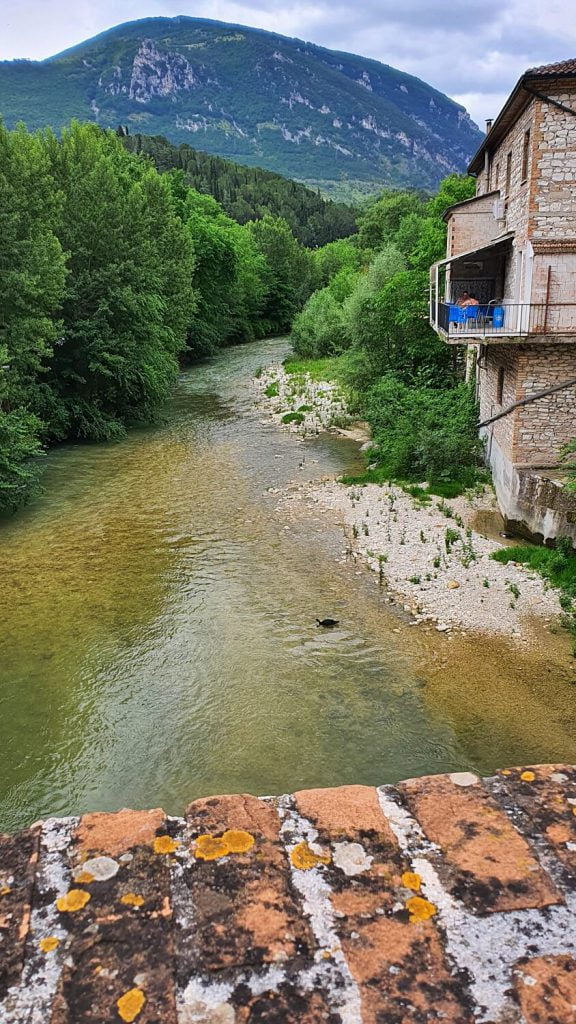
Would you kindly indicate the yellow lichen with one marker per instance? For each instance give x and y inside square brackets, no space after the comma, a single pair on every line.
[84,877]
[238,841]
[505,771]
[132,900]
[130,1004]
[165,844]
[4,890]
[207,847]
[527,776]
[74,900]
[304,858]
[419,909]
[410,880]
[48,944]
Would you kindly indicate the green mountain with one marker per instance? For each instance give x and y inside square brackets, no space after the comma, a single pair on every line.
[306,112]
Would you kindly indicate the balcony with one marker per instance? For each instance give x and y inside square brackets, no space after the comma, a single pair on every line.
[491,321]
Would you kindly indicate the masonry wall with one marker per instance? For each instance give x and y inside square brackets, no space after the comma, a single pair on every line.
[535,433]
[472,225]
[553,187]
[518,196]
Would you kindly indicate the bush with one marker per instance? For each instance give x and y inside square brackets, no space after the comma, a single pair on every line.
[319,329]
[423,433]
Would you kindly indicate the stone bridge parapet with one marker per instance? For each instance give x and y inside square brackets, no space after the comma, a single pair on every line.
[445,898]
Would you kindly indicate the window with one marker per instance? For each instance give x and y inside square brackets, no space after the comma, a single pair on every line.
[508,173]
[500,385]
[525,155]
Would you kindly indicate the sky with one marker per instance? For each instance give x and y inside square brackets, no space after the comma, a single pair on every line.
[472,51]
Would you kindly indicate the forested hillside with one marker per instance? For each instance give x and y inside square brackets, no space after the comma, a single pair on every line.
[370,317]
[110,274]
[309,113]
[247,193]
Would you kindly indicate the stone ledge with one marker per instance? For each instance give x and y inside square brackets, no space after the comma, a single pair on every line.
[444,898]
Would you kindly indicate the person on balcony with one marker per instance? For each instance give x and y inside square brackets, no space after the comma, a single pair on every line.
[471,300]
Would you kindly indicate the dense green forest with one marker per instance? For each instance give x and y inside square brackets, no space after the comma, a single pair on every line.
[110,274]
[371,313]
[250,193]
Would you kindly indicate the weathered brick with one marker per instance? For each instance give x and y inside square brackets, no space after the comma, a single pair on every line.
[396,960]
[548,806]
[487,863]
[18,859]
[546,989]
[116,833]
[114,946]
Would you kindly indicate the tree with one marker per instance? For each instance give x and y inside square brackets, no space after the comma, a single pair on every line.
[288,272]
[32,276]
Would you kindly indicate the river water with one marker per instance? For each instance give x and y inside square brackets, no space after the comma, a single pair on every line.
[159,643]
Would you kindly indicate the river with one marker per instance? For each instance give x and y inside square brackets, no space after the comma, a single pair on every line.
[159,642]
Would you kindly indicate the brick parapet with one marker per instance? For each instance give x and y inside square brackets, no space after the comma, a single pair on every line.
[442,898]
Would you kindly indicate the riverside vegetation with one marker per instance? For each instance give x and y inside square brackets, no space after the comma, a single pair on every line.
[367,329]
[110,274]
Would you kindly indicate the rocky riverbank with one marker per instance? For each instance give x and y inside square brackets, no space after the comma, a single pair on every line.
[429,553]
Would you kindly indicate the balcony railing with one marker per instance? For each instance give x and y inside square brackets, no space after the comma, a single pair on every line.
[504,319]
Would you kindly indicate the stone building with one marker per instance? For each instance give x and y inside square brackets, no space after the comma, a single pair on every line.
[513,247]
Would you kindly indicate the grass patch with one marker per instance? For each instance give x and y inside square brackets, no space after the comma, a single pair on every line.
[293,417]
[272,390]
[368,476]
[557,565]
[317,369]
[305,408]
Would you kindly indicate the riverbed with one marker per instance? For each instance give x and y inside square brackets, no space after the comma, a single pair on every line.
[159,640]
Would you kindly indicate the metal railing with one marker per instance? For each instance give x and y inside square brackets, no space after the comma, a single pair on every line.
[504,319]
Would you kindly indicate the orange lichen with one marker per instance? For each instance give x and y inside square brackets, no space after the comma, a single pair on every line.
[48,944]
[165,844]
[419,909]
[84,877]
[527,776]
[304,858]
[238,841]
[74,900]
[410,880]
[505,771]
[207,847]
[131,899]
[130,1004]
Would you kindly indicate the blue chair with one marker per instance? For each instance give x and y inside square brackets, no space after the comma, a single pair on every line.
[457,315]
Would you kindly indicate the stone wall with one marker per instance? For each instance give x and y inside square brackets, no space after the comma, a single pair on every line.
[445,898]
[553,193]
[472,225]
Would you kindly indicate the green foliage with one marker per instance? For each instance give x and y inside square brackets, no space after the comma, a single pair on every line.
[423,433]
[287,275]
[272,390]
[557,565]
[250,193]
[570,466]
[293,417]
[109,274]
[317,369]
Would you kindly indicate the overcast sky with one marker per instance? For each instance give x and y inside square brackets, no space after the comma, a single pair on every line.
[472,51]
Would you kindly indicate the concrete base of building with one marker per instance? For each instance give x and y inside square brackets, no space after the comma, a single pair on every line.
[533,503]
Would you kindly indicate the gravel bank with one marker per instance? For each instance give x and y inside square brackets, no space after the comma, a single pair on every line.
[425,553]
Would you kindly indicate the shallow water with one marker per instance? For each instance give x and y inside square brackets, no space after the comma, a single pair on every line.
[159,642]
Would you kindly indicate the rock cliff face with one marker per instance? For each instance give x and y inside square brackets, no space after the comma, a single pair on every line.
[266,100]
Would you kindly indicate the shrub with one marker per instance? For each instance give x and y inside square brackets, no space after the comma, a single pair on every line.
[423,433]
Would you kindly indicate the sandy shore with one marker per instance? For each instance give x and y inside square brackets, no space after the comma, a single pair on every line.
[428,555]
